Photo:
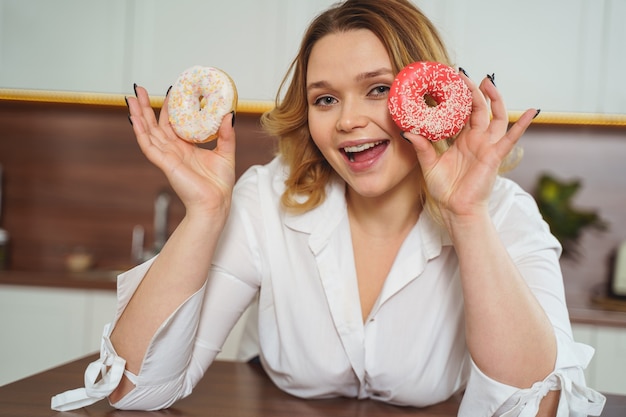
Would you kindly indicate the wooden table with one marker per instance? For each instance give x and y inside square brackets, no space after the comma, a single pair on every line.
[229,389]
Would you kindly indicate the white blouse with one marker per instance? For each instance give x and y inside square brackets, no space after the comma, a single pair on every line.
[313,343]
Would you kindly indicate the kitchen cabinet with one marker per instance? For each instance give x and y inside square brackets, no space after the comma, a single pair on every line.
[607,370]
[43,327]
[573,66]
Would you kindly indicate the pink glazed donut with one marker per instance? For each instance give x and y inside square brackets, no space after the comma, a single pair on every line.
[198,101]
[450,100]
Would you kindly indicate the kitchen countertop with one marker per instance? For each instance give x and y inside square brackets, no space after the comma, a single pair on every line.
[586,306]
[593,306]
[96,279]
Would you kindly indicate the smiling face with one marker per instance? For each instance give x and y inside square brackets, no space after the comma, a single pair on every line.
[348,79]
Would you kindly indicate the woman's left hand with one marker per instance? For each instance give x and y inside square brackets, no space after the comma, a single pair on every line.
[461,179]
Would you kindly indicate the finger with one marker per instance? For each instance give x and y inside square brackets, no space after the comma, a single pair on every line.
[136,116]
[158,128]
[480,111]
[164,118]
[146,107]
[141,113]
[512,136]
[134,108]
[426,153]
[143,118]
[226,137]
[500,118]
[144,139]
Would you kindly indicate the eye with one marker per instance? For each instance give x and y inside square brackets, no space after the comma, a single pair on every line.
[324,101]
[379,91]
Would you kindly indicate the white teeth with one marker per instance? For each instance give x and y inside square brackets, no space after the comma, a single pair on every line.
[362,147]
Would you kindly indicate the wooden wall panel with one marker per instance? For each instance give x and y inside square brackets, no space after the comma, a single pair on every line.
[74,176]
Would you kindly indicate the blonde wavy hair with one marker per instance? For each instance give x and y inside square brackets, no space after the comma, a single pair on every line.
[407,35]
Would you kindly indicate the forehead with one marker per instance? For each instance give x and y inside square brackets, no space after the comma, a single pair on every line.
[344,52]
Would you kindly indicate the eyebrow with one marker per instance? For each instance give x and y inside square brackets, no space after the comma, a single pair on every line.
[373,74]
[360,77]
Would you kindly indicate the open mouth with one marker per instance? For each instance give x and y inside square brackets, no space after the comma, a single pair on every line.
[365,151]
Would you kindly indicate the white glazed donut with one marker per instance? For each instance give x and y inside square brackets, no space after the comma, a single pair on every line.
[198,101]
[411,111]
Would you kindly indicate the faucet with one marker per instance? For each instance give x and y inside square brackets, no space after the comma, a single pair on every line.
[161,207]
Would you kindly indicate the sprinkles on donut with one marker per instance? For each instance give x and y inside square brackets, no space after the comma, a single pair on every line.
[198,101]
[430,99]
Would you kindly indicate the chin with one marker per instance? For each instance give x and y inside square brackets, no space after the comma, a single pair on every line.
[369,191]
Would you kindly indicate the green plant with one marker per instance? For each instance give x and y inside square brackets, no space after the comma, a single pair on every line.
[567,223]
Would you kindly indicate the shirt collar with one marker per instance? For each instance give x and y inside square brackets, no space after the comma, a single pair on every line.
[323,220]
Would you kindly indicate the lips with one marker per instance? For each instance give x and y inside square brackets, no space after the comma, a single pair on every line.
[364,152]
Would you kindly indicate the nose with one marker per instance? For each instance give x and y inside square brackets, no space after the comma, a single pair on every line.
[352,116]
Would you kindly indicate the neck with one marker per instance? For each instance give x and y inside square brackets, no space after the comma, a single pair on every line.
[387,215]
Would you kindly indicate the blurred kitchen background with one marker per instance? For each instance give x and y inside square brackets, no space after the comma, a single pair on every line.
[79,202]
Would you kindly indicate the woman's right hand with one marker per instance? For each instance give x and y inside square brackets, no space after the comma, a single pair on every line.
[202,178]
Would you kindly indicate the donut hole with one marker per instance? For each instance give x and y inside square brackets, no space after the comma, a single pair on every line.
[430,100]
[201,101]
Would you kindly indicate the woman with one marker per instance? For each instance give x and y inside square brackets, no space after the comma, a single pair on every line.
[383,268]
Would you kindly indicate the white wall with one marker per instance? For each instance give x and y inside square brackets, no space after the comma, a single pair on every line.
[561,55]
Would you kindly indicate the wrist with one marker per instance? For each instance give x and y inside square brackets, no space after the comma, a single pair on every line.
[469,223]
[213,211]
[207,219]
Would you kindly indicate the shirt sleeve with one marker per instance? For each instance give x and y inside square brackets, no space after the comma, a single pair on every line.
[536,253]
[483,394]
[179,353]
[165,374]
[189,340]
[186,344]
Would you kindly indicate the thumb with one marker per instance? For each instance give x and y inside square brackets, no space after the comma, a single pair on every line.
[226,136]
[512,136]
[426,153]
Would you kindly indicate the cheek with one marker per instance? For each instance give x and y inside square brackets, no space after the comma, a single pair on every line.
[320,128]
[389,124]
[395,132]
[315,135]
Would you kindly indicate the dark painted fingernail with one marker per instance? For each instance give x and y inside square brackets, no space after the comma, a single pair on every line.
[405,138]
[126,100]
[537,114]
[135,88]
[492,78]
[464,72]
[130,120]
[233,120]
[168,91]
